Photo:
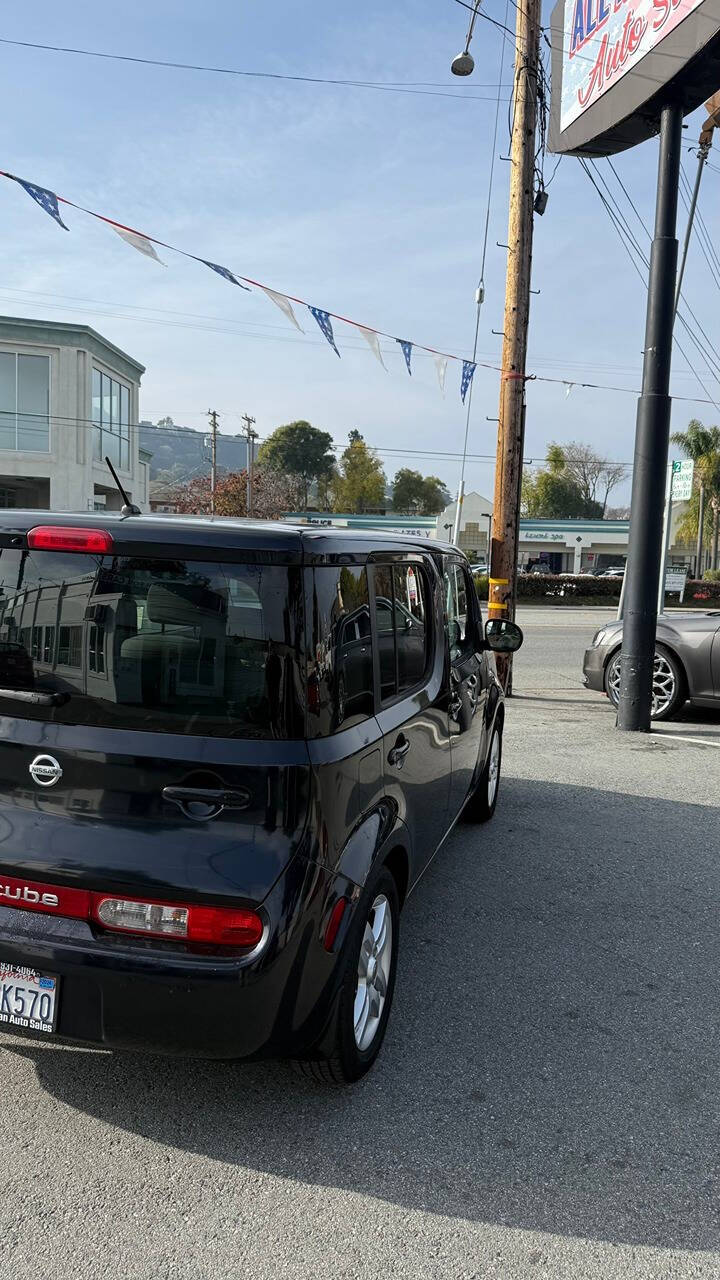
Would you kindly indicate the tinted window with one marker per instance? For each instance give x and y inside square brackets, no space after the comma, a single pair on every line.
[163,645]
[401,611]
[340,673]
[458,613]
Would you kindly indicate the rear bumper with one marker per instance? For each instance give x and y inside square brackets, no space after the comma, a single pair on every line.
[594,669]
[145,998]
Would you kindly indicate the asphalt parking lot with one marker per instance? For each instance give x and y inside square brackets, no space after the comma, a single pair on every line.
[546,1102]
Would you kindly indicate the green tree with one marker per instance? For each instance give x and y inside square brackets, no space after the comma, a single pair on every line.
[300,450]
[359,484]
[415,494]
[702,444]
[435,496]
[554,493]
[407,491]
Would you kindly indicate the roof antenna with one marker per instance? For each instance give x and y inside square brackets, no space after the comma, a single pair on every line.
[128,508]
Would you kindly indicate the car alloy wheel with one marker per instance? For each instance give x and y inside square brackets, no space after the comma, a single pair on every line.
[373,973]
[493,768]
[664,686]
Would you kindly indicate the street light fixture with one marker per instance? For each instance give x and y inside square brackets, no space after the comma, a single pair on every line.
[463,64]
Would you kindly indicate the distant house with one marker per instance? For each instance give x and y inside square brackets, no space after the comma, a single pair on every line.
[68,399]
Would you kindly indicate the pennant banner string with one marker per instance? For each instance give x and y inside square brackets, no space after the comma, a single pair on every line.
[49,201]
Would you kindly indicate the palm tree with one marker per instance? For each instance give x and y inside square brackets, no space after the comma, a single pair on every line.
[702,444]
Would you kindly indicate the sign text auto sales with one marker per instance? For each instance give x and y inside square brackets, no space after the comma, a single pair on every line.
[603,39]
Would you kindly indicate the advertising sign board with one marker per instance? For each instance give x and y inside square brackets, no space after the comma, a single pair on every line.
[616,61]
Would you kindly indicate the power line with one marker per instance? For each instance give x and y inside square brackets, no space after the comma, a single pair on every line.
[623,231]
[388,86]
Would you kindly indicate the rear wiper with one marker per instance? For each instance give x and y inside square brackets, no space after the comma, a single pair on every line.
[35,698]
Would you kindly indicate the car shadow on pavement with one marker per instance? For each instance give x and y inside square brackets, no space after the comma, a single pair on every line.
[552,1057]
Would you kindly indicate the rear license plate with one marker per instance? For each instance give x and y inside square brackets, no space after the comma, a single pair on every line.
[27,998]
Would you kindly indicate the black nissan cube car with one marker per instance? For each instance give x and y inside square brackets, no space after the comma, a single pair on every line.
[228,752]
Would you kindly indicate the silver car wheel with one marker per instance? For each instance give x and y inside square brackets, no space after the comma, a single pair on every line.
[664,686]
[493,776]
[373,974]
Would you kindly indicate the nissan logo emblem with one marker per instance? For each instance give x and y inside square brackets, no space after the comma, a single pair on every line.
[46,771]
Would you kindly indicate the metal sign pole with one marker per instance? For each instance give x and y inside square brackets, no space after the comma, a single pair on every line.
[667,522]
[652,438]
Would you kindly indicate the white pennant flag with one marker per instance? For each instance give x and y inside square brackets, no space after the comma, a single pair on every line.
[141,243]
[568,388]
[371,338]
[283,303]
[441,366]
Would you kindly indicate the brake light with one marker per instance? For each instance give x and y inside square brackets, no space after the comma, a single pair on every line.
[47,537]
[221,926]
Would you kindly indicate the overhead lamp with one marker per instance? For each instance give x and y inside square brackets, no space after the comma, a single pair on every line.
[463,64]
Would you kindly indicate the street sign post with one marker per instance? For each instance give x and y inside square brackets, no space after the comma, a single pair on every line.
[675,580]
[682,480]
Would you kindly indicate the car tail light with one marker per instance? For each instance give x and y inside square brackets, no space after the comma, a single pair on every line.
[45,537]
[221,926]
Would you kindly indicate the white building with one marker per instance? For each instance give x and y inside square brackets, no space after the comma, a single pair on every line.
[563,546]
[68,398]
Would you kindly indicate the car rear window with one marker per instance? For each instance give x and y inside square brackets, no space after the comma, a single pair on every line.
[166,645]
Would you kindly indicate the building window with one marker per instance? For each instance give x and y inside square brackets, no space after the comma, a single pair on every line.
[7,498]
[24,402]
[111,420]
[70,647]
[97,649]
[49,645]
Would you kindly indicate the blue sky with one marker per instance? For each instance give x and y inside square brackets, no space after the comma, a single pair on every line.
[367,203]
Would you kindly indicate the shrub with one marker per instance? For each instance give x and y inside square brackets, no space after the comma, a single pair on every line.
[703,593]
[711,575]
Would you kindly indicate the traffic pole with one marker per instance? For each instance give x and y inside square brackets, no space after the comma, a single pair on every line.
[511,425]
[251,437]
[212,415]
[652,438]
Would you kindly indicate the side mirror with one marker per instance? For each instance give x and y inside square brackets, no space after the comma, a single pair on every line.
[503,636]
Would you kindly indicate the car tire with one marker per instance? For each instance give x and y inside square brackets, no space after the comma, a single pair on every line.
[482,802]
[669,679]
[363,1003]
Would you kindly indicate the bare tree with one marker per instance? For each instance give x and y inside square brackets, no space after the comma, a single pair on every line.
[594,475]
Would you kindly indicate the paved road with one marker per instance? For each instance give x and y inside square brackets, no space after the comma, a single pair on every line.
[546,1103]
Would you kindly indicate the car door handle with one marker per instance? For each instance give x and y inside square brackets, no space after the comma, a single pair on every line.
[397,754]
[209,801]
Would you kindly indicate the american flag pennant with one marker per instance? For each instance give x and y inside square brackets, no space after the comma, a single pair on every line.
[372,340]
[226,275]
[467,377]
[323,319]
[139,242]
[283,303]
[407,352]
[441,364]
[46,199]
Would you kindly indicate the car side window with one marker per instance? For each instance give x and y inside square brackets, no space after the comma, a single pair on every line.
[340,672]
[458,610]
[402,594]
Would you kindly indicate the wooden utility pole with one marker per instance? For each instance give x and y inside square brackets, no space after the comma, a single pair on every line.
[251,438]
[511,428]
[212,415]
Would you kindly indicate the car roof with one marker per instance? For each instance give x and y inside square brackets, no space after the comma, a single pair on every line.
[237,534]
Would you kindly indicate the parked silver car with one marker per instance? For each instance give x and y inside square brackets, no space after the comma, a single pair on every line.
[687,661]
